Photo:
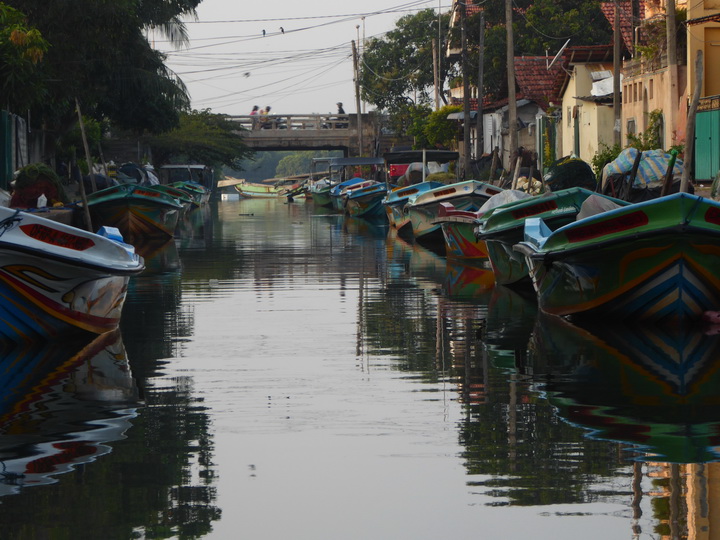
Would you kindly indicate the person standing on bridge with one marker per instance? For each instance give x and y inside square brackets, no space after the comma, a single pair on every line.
[254,113]
[340,111]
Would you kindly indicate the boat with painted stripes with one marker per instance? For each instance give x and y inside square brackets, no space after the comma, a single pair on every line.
[653,261]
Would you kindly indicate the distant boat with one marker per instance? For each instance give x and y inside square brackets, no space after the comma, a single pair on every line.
[140,213]
[274,190]
[197,192]
[58,281]
[189,172]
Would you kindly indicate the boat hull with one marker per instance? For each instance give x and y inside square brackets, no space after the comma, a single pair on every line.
[423,209]
[140,213]
[259,191]
[57,281]
[461,244]
[503,227]
[653,261]
[367,203]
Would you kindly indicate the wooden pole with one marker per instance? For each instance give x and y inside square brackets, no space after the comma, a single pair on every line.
[617,106]
[673,97]
[83,196]
[690,130]
[357,99]
[480,133]
[516,174]
[466,92]
[436,80]
[512,101]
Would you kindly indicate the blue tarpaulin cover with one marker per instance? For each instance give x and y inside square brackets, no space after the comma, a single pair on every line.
[653,166]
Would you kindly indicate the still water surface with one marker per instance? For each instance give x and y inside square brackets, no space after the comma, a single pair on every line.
[282,372]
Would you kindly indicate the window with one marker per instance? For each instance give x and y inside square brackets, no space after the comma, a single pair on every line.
[630,128]
[650,89]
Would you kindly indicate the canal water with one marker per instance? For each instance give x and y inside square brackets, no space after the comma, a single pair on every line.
[283,372]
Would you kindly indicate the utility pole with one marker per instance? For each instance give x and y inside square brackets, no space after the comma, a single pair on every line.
[436,82]
[512,100]
[617,106]
[672,112]
[357,99]
[466,91]
[480,134]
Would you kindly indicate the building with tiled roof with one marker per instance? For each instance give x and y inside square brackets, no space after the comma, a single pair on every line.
[629,21]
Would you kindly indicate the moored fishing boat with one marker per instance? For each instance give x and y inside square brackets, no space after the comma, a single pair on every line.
[458,228]
[367,202]
[140,213]
[423,208]
[502,227]
[187,201]
[58,281]
[320,192]
[339,192]
[653,261]
[394,204]
[199,193]
[410,181]
[259,190]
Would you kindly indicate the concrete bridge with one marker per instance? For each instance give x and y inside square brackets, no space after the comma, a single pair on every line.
[314,132]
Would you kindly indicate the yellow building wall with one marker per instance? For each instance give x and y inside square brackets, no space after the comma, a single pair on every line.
[595,121]
[704,37]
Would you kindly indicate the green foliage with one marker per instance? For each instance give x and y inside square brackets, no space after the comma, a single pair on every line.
[400,64]
[650,138]
[99,54]
[602,157]
[201,137]
[410,119]
[299,162]
[439,131]
[22,48]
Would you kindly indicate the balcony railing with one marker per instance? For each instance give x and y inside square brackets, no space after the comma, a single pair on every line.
[294,122]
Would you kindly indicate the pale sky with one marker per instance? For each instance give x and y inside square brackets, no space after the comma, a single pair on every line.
[229,65]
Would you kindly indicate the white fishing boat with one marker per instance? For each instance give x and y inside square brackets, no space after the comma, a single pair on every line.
[57,280]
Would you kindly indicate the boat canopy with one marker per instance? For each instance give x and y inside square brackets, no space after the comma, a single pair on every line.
[344,162]
[412,156]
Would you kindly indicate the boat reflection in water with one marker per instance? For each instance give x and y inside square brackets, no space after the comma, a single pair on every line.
[638,385]
[60,404]
[657,395]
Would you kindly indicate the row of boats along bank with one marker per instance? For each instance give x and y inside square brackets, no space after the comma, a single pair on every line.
[634,247]
[66,263]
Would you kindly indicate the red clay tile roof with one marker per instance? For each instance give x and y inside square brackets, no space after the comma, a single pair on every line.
[627,24]
[536,81]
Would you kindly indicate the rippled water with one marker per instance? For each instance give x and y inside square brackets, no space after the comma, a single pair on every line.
[287,373]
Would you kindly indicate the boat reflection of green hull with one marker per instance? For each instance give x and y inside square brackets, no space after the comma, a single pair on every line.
[637,385]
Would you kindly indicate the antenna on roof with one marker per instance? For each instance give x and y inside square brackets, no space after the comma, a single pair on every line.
[558,54]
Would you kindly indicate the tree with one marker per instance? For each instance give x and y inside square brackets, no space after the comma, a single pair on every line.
[201,137]
[400,64]
[299,162]
[99,54]
[22,47]
[439,131]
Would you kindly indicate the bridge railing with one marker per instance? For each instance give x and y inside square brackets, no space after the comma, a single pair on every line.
[293,121]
